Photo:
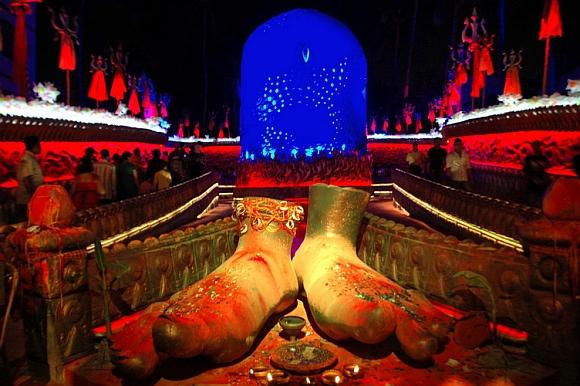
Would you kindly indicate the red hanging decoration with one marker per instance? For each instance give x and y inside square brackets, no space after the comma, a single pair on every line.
[477,81]
[98,86]
[551,23]
[146,102]
[486,64]
[227,121]
[153,112]
[67,35]
[512,65]
[431,114]
[418,125]
[20,8]
[460,75]
[550,27]
[197,130]
[408,111]
[386,125]
[480,45]
[460,57]
[119,62]
[67,59]
[454,99]
[133,105]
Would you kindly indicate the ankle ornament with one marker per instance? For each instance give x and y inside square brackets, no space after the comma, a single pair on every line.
[267,214]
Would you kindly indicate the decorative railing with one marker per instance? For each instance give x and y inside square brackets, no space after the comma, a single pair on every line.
[533,294]
[464,213]
[499,182]
[143,272]
[523,117]
[127,218]
[427,262]
[63,298]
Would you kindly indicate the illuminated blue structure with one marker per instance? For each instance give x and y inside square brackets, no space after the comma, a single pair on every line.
[303,88]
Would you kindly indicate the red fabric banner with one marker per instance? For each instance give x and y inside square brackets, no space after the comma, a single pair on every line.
[551,23]
[19,65]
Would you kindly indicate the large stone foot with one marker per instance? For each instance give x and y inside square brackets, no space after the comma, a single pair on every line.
[135,356]
[348,299]
[221,315]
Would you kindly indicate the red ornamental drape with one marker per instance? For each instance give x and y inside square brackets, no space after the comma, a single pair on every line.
[152,111]
[454,99]
[146,98]
[512,81]
[118,87]
[460,75]
[551,23]
[418,126]
[431,116]
[486,64]
[477,79]
[133,106]
[20,56]
[163,110]
[98,87]
[67,59]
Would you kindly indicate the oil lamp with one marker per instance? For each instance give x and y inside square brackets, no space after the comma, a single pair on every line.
[352,371]
[332,377]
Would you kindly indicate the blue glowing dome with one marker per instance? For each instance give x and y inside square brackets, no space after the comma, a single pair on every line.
[303,87]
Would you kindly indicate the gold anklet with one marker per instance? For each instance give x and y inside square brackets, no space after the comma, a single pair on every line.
[266,213]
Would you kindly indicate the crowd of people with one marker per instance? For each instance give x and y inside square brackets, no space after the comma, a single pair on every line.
[454,168]
[104,179]
[440,166]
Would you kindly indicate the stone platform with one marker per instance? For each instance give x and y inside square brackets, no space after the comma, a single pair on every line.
[382,364]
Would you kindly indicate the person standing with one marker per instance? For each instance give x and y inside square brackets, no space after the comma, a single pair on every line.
[415,160]
[161,179]
[127,180]
[196,161]
[176,165]
[436,161]
[107,174]
[29,176]
[458,167]
[537,178]
[86,190]
[155,164]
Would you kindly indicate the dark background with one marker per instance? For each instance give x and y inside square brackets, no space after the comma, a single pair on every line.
[166,40]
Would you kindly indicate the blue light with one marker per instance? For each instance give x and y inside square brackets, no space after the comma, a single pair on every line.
[300,49]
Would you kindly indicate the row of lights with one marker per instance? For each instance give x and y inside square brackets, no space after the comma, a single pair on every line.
[266,376]
[13,108]
[519,106]
[154,223]
[474,228]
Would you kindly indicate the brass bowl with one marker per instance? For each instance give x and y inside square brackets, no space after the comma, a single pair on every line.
[292,325]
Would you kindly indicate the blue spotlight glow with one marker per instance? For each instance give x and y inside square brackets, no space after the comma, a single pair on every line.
[303,88]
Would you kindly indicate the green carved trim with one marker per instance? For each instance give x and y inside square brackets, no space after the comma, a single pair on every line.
[145,271]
